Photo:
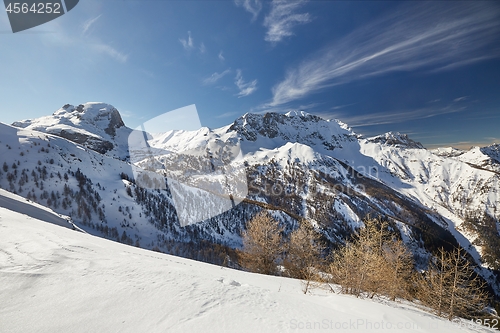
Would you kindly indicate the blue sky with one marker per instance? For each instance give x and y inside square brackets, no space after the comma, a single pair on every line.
[430,70]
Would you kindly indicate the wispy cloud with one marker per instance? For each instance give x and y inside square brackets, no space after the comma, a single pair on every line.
[282,18]
[227,114]
[126,114]
[203,49]
[460,99]
[221,56]
[463,63]
[252,6]
[110,51]
[246,88]
[338,107]
[215,77]
[309,106]
[86,45]
[187,43]
[426,36]
[87,24]
[383,118]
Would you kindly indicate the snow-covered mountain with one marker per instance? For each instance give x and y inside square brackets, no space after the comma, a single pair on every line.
[79,162]
[492,151]
[481,157]
[98,126]
[55,279]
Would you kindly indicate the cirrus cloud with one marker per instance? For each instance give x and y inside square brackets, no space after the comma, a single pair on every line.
[283,18]
[424,36]
[215,77]
[252,6]
[246,88]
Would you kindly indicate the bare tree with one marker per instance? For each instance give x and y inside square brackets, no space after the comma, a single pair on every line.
[262,244]
[355,265]
[303,254]
[374,262]
[451,287]
[400,270]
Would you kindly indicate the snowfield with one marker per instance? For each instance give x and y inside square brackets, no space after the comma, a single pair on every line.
[53,279]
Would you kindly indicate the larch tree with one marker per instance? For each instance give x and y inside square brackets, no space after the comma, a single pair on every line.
[303,254]
[262,244]
[451,287]
[373,263]
[400,270]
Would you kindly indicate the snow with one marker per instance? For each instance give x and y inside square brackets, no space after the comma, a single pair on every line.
[288,152]
[342,208]
[53,279]
[492,151]
[441,177]
[447,151]
[18,204]
[396,139]
[444,177]
[69,156]
[87,120]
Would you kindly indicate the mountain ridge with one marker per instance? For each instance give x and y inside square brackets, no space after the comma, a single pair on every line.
[300,163]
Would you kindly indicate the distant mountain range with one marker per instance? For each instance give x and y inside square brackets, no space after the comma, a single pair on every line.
[85,163]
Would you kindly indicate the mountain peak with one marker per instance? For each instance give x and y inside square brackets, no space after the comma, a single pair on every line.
[92,124]
[295,126]
[447,151]
[101,115]
[297,113]
[396,139]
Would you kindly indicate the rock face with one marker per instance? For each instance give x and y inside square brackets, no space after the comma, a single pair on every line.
[100,146]
[295,126]
[115,121]
[97,126]
[492,151]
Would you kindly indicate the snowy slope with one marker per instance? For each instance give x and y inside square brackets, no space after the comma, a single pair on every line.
[18,204]
[396,139]
[89,187]
[56,280]
[46,171]
[447,151]
[483,157]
